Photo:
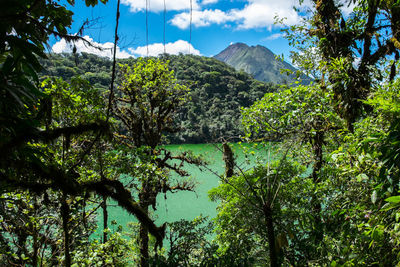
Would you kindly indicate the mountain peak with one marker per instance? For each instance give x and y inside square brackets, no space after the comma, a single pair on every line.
[258,61]
[238,45]
[232,49]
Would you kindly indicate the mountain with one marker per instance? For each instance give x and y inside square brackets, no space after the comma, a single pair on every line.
[258,61]
[218,91]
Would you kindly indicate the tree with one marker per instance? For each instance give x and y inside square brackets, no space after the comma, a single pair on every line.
[146,105]
[351,55]
[360,56]
[350,48]
[259,210]
[309,120]
[26,28]
[29,162]
[303,120]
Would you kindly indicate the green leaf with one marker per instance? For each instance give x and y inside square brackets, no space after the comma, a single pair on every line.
[362,177]
[394,199]
[377,234]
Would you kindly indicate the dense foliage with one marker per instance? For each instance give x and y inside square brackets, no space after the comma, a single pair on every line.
[58,154]
[328,193]
[344,129]
[217,91]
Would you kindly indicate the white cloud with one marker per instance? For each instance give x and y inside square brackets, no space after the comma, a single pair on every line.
[255,14]
[156,49]
[200,18]
[262,13]
[63,47]
[158,5]
[274,36]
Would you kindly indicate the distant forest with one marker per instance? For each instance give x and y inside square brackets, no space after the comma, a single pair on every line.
[217,91]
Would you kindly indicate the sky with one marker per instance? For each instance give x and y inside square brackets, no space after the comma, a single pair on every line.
[215,24]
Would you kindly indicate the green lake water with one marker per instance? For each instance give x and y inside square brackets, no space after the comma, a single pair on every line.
[183,204]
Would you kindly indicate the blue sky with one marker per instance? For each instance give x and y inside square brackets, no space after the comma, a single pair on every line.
[215,25]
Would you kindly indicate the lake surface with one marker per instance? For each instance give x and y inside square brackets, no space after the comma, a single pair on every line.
[188,205]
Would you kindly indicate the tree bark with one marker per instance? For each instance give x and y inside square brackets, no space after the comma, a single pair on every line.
[35,248]
[144,242]
[35,237]
[65,217]
[105,219]
[229,160]
[273,253]
[318,141]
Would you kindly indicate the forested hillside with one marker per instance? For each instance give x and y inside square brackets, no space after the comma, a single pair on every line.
[217,91]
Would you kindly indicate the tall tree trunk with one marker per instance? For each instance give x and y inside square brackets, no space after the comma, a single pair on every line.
[273,253]
[65,218]
[35,248]
[105,219]
[143,231]
[318,142]
[35,236]
[229,160]
[144,241]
